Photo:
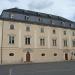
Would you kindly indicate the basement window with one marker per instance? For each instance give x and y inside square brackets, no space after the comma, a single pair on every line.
[11,54]
[43,54]
[55,54]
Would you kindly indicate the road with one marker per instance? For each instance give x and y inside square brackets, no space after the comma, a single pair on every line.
[57,68]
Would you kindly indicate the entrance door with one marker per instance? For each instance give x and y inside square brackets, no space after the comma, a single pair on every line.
[66,56]
[28,57]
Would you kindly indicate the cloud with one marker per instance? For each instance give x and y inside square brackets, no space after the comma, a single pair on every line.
[12,0]
[64,8]
[40,5]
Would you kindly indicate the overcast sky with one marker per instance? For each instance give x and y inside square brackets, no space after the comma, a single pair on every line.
[64,8]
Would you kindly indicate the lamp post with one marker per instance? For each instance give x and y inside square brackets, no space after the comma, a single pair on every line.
[2,40]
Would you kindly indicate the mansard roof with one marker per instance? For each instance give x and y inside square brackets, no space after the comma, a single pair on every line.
[20,15]
[39,14]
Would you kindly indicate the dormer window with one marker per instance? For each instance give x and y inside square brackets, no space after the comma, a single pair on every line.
[39,19]
[12,16]
[11,26]
[70,25]
[61,22]
[26,17]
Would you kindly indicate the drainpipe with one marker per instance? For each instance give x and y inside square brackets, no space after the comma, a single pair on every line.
[2,41]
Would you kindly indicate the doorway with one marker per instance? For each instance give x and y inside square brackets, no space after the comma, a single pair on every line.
[66,56]
[28,57]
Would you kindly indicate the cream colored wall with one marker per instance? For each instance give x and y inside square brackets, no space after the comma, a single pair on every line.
[17,58]
[49,55]
[35,34]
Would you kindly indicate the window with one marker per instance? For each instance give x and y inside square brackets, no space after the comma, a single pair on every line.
[42,30]
[54,32]
[42,42]
[70,25]
[64,32]
[61,22]
[54,42]
[65,43]
[28,28]
[43,54]
[73,33]
[26,17]
[12,27]
[55,54]
[39,19]
[12,16]
[11,54]
[27,40]
[11,39]
[74,54]
[73,43]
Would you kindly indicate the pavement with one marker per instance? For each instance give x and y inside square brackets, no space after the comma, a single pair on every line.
[52,68]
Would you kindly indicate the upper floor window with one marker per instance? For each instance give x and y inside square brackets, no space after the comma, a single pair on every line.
[73,43]
[64,32]
[54,31]
[73,33]
[12,27]
[27,40]
[27,28]
[65,43]
[11,39]
[42,30]
[54,42]
[42,42]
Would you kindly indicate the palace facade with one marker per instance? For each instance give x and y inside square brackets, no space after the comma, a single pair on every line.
[29,36]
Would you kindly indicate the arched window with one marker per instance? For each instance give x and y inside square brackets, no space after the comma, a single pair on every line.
[11,26]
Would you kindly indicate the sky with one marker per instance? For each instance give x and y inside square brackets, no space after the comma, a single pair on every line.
[64,8]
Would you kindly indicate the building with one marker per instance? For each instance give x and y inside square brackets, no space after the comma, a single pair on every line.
[28,36]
